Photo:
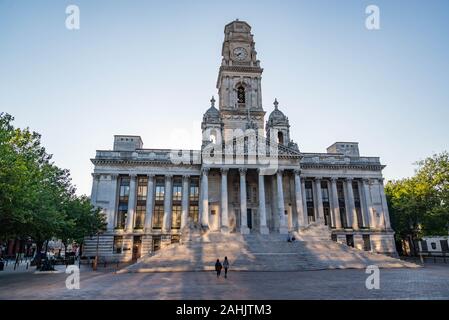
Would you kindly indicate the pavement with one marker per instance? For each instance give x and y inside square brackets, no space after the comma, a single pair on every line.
[429,282]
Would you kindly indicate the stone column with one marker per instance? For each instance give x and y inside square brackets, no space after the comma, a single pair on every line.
[335,204]
[368,205]
[166,222]
[281,206]
[304,203]
[185,201]
[205,198]
[243,214]
[384,205]
[112,216]
[364,212]
[352,213]
[150,203]
[262,209]
[131,203]
[299,202]
[319,200]
[224,200]
[93,194]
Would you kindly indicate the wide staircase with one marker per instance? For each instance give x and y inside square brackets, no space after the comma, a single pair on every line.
[255,252]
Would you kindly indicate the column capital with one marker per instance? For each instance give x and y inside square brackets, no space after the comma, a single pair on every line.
[280,171]
[318,178]
[133,175]
[224,171]
[333,179]
[349,179]
[366,180]
[114,176]
[242,171]
[150,175]
[96,176]
[205,171]
[185,176]
[297,171]
[168,176]
[381,180]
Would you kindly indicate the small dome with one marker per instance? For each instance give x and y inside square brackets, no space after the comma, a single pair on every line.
[277,117]
[212,115]
[212,112]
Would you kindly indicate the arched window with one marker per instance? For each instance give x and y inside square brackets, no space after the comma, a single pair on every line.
[280,138]
[241,94]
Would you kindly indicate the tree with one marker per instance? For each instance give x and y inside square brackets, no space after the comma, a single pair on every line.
[37,199]
[419,206]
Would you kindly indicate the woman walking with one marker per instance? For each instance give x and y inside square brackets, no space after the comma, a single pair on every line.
[218,267]
[226,266]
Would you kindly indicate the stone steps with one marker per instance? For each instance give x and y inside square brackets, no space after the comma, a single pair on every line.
[255,252]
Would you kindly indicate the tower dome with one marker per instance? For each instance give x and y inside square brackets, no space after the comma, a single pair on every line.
[212,115]
[277,117]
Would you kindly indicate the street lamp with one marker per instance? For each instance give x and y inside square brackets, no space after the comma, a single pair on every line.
[96,253]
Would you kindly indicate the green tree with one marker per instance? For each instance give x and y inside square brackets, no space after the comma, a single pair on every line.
[419,205]
[37,199]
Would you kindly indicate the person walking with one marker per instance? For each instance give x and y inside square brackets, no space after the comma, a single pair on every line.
[226,266]
[218,267]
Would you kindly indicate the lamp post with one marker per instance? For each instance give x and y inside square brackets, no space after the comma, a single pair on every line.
[96,253]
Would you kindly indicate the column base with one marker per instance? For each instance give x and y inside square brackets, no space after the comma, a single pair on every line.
[264,230]
[244,230]
[283,230]
[224,230]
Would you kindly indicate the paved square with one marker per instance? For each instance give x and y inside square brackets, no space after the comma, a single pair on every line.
[430,282]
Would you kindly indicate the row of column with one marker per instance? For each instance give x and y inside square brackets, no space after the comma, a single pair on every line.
[301,205]
[150,200]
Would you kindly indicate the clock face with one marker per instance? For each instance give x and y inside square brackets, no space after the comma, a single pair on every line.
[240,53]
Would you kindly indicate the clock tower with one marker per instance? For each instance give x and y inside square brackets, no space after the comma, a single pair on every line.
[239,80]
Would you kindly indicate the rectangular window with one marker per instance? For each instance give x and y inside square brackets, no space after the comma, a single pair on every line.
[118,244]
[158,216]
[194,190]
[177,191]
[193,213]
[176,217]
[142,188]
[122,211]
[160,190]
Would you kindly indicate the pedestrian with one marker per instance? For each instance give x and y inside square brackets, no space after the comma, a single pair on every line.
[218,267]
[226,266]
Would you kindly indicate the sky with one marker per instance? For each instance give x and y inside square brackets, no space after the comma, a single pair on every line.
[149,68]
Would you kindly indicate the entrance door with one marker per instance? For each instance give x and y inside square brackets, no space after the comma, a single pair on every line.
[137,246]
[156,243]
[249,218]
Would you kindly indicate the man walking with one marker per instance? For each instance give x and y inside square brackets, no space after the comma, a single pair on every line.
[218,267]
[226,266]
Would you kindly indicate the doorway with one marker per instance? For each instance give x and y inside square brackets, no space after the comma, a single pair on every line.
[249,218]
[137,247]
[156,243]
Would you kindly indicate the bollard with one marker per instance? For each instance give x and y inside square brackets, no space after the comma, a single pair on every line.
[421,258]
[27,265]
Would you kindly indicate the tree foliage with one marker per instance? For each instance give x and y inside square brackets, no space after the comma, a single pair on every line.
[419,206]
[37,199]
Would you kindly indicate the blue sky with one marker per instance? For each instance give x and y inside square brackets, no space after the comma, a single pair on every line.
[141,67]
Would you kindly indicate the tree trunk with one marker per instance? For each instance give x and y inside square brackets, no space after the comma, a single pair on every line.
[38,257]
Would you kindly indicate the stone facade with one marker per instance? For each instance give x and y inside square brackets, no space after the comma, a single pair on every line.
[248,177]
